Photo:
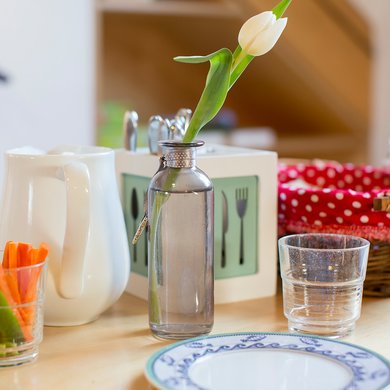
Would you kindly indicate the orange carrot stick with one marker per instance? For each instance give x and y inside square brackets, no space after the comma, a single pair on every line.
[12,254]
[12,281]
[4,287]
[5,255]
[38,256]
[41,253]
[24,258]
[24,252]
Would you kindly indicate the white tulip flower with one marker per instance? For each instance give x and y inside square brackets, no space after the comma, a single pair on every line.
[259,34]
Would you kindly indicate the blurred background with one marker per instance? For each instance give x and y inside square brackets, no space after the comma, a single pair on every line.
[69,70]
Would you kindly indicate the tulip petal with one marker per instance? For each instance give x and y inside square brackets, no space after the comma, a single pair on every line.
[253,27]
[266,41]
[257,23]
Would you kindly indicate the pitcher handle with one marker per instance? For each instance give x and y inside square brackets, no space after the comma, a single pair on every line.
[76,176]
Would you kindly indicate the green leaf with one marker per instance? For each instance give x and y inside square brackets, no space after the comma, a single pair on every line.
[279,9]
[194,59]
[215,90]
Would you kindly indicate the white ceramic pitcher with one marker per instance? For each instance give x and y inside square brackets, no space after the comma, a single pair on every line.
[68,198]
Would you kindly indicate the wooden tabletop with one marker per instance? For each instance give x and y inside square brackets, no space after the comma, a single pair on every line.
[111,352]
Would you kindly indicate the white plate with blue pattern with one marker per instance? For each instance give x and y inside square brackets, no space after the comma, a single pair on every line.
[267,361]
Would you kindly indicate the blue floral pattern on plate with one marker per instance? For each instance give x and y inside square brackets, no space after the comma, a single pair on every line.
[170,367]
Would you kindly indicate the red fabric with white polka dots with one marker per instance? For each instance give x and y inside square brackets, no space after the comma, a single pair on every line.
[332,197]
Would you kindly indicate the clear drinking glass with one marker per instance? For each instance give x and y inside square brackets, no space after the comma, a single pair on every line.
[181,246]
[323,277]
[21,313]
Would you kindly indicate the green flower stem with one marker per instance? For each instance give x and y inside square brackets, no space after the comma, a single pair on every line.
[280,9]
[240,61]
[155,265]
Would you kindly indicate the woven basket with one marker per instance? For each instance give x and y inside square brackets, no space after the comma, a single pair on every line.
[338,198]
[377,281]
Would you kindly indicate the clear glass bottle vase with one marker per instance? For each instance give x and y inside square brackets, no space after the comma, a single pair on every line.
[181,245]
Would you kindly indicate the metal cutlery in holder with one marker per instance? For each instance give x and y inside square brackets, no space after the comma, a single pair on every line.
[245,220]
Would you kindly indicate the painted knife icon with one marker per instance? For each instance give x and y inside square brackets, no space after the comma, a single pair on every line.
[134,214]
[225,225]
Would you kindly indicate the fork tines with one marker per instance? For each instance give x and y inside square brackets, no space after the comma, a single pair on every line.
[241,200]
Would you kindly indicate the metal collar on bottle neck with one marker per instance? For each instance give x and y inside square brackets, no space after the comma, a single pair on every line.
[180,154]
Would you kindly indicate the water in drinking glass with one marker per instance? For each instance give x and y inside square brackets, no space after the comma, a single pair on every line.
[323,277]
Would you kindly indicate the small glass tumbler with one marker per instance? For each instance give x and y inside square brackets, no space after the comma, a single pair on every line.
[323,277]
[21,313]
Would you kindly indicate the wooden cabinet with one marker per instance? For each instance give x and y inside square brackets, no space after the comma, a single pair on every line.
[312,88]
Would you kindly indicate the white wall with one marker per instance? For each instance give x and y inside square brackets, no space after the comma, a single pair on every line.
[47,48]
[377,13]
